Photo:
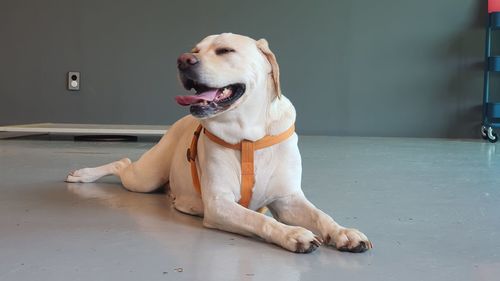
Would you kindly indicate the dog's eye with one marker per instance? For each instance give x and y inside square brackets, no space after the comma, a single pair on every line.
[222,51]
[195,50]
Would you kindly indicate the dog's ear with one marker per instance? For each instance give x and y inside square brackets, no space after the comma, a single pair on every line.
[264,48]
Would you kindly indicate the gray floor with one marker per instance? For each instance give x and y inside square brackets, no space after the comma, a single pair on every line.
[431,208]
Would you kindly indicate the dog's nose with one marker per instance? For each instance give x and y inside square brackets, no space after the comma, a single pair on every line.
[186,60]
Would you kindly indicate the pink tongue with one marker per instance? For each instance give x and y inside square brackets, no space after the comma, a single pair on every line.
[192,99]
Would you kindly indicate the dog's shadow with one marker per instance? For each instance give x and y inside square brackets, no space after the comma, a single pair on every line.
[156,217]
[143,207]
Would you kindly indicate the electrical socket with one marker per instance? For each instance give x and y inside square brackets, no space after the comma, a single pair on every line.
[74,81]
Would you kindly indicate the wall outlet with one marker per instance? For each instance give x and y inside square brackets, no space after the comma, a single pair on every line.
[74,81]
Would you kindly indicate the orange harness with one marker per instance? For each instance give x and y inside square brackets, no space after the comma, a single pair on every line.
[247,149]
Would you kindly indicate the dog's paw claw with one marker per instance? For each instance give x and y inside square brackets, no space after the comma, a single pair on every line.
[300,240]
[317,241]
[360,248]
[302,250]
[351,240]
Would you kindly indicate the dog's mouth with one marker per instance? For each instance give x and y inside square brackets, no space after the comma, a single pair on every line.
[207,100]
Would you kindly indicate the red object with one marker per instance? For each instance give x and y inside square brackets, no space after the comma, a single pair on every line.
[493,6]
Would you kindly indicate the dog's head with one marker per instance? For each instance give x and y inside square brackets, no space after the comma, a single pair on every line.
[225,71]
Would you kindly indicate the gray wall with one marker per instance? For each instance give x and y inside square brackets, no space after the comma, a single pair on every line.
[351,67]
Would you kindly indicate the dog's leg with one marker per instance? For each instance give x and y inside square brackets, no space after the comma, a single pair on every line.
[140,176]
[225,214]
[93,174]
[134,176]
[297,210]
[148,173]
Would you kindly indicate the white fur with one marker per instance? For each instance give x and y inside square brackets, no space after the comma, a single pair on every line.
[297,225]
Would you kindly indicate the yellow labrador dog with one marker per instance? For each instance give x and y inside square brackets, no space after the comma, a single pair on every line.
[237,99]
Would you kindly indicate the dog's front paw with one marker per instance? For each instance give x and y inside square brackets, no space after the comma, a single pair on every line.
[349,240]
[300,240]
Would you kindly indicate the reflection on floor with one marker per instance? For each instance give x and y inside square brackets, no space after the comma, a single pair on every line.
[431,207]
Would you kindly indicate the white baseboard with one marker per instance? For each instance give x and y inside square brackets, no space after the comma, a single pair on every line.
[91,129]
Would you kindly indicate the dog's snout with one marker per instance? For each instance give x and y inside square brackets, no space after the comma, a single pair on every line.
[186,60]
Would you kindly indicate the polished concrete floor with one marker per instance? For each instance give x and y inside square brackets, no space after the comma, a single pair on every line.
[431,208]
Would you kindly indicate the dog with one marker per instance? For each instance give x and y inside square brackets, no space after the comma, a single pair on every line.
[237,103]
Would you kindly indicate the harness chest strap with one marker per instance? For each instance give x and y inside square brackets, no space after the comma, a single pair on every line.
[247,149]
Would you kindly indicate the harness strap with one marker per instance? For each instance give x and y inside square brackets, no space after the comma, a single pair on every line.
[258,144]
[247,149]
[192,152]
[247,172]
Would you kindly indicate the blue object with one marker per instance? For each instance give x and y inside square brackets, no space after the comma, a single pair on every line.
[494,20]
[494,63]
[491,110]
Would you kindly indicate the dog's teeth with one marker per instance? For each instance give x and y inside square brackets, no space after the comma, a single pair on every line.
[224,93]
